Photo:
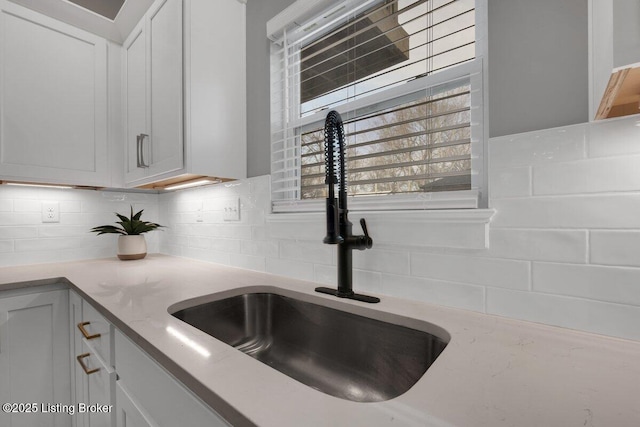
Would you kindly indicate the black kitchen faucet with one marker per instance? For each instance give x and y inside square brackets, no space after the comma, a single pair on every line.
[339,228]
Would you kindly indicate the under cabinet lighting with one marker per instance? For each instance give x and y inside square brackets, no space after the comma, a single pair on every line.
[192,184]
[22,184]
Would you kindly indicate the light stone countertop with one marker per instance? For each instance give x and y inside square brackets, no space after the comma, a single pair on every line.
[494,372]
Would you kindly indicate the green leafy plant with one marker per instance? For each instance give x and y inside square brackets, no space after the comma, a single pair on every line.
[128,226]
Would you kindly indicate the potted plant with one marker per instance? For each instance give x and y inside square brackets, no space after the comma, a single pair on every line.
[131,242]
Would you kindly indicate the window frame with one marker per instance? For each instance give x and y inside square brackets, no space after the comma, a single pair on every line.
[284,25]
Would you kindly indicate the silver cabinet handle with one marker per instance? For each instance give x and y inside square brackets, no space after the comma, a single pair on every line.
[140,150]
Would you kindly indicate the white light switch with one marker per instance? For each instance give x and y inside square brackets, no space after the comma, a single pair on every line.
[199,216]
[50,212]
[231,210]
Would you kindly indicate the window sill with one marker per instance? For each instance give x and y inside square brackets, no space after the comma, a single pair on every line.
[447,228]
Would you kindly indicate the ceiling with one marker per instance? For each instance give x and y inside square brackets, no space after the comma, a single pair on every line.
[107,8]
[111,19]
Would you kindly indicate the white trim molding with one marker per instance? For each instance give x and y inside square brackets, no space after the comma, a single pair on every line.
[446,228]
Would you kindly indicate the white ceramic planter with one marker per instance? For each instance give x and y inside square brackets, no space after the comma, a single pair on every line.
[132,247]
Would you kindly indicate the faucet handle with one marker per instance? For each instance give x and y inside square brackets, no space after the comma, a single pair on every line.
[366,240]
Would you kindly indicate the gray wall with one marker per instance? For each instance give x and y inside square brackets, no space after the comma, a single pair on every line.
[626,32]
[258,126]
[538,65]
[538,69]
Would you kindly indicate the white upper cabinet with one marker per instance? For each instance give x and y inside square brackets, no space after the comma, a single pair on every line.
[53,100]
[153,83]
[185,97]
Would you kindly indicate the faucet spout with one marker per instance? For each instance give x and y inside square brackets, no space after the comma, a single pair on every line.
[339,228]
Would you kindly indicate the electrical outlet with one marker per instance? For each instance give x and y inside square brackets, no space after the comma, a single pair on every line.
[50,212]
[231,210]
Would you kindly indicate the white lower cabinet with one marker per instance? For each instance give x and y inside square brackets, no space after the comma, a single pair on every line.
[94,378]
[63,364]
[129,414]
[114,372]
[147,395]
[34,358]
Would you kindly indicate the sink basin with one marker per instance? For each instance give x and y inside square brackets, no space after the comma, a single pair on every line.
[341,354]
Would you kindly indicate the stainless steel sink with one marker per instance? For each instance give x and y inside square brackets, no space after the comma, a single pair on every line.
[341,354]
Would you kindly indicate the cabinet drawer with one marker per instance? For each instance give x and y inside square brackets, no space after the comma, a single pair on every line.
[98,379]
[159,395]
[97,331]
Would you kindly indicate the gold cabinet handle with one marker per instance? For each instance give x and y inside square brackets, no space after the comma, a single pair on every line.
[84,367]
[86,334]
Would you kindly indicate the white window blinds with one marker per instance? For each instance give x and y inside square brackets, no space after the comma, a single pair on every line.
[403,75]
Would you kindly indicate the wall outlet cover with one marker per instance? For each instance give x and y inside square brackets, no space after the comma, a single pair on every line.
[50,212]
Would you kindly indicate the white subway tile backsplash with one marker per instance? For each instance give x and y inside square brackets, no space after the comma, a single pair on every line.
[472,270]
[27,205]
[614,137]
[170,249]
[48,256]
[395,262]
[609,174]
[315,252]
[199,242]
[611,284]
[608,211]
[296,230]
[259,233]
[18,232]
[615,247]
[539,245]
[326,275]
[6,205]
[249,262]
[55,230]
[509,182]
[54,244]
[70,206]
[206,255]
[226,245]
[6,245]
[451,294]
[532,148]
[20,218]
[290,268]
[261,248]
[420,233]
[365,281]
[595,316]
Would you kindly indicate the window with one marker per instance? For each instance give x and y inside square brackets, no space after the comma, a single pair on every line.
[407,78]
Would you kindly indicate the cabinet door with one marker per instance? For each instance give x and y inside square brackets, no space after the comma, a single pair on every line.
[34,356]
[53,100]
[135,73]
[166,62]
[129,414]
[154,102]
